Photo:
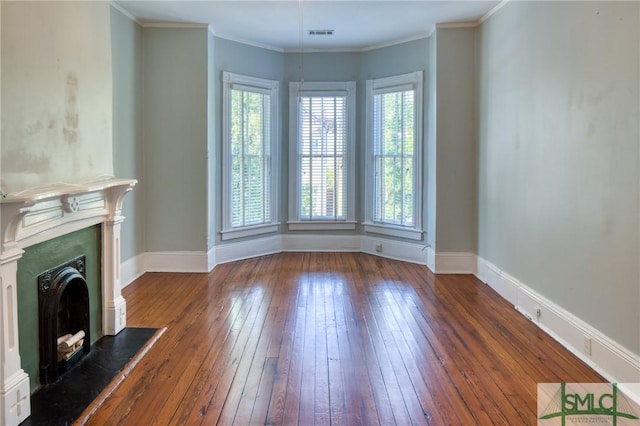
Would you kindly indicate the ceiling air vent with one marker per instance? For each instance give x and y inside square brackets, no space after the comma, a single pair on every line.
[320,32]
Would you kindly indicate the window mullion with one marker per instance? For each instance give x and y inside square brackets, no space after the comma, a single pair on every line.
[323,162]
[402,153]
[242,159]
[335,160]
[383,165]
[311,158]
[266,140]
[395,162]
[376,165]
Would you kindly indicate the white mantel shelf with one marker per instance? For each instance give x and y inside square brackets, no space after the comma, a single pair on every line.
[40,214]
[58,190]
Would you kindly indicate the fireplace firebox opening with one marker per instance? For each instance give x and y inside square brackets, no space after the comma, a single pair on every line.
[63,305]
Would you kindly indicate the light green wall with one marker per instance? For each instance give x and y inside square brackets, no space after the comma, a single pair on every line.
[430,102]
[175,99]
[456,211]
[127,55]
[348,66]
[386,62]
[531,136]
[180,153]
[322,66]
[242,59]
[559,165]
[213,155]
[317,67]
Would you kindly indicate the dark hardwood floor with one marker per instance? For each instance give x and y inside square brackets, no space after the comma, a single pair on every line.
[340,338]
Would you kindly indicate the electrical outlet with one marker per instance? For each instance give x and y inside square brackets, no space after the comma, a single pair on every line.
[538,313]
[379,248]
[587,345]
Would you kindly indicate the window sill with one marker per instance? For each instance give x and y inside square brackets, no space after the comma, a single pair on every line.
[249,231]
[394,231]
[318,225]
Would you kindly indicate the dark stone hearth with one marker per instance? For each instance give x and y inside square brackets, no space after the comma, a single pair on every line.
[60,403]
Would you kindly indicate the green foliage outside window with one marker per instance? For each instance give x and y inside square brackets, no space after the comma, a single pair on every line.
[250,170]
[394,161]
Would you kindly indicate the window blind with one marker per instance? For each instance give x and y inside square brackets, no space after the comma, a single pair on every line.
[322,139]
[250,157]
[394,157]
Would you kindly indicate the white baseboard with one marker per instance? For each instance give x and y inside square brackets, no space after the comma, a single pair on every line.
[431,259]
[211,259]
[455,263]
[246,249]
[176,261]
[443,263]
[451,262]
[610,359]
[230,252]
[500,281]
[131,269]
[397,250]
[317,242]
[613,361]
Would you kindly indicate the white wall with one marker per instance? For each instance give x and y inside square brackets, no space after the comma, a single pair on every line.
[56,93]
[559,164]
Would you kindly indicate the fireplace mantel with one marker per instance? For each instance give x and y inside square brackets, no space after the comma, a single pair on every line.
[36,215]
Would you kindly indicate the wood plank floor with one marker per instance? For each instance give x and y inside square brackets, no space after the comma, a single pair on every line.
[342,338]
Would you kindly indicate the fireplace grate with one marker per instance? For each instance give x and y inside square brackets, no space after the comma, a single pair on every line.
[63,306]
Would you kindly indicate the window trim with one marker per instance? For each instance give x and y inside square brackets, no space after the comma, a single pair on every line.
[271,89]
[395,83]
[297,89]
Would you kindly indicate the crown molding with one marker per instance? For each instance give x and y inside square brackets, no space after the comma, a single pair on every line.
[162,24]
[466,24]
[399,41]
[248,42]
[122,10]
[492,11]
[362,49]
[432,31]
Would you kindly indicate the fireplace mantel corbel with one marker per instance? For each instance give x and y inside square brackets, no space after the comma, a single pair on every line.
[36,215]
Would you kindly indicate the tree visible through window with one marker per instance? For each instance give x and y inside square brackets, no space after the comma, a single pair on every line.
[394,156]
[394,160]
[249,136]
[250,158]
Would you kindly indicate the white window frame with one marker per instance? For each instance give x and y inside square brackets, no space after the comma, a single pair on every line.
[270,88]
[296,90]
[396,83]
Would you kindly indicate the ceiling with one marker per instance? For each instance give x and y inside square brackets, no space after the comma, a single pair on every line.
[358,25]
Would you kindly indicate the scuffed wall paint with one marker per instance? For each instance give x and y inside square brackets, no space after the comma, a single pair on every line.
[56,93]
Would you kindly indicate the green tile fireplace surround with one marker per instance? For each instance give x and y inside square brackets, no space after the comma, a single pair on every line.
[41,257]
